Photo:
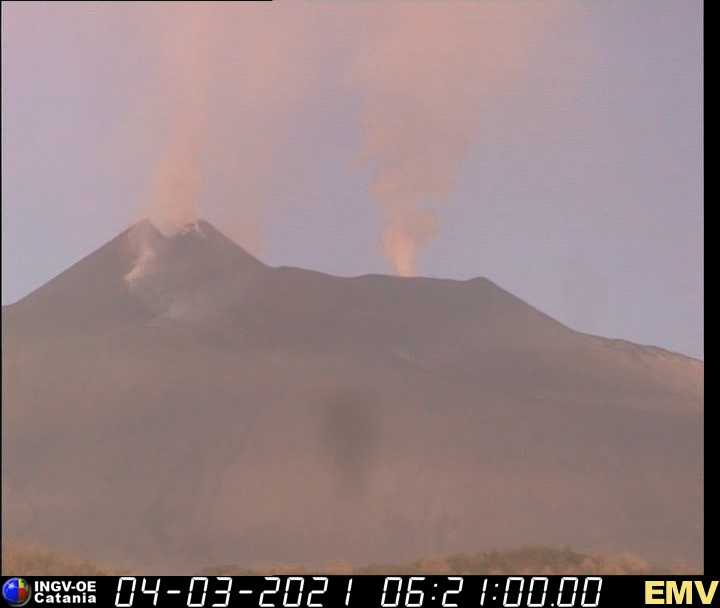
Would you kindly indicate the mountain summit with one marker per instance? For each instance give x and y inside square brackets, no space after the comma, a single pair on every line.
[190,405]
[138,275]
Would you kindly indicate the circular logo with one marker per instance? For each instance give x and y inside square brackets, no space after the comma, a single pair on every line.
[16,591]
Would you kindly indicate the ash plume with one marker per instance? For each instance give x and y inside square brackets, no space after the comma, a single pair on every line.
[220,87]
[229,76]
[426,80]
[185,59]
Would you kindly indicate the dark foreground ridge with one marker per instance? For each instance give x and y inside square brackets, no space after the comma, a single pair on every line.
[19,560]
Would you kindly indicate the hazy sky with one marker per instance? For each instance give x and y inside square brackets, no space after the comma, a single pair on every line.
[553,147]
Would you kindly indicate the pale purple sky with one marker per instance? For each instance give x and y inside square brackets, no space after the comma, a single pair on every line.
[574,129]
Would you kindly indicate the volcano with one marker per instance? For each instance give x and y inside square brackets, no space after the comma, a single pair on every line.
[173,402]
